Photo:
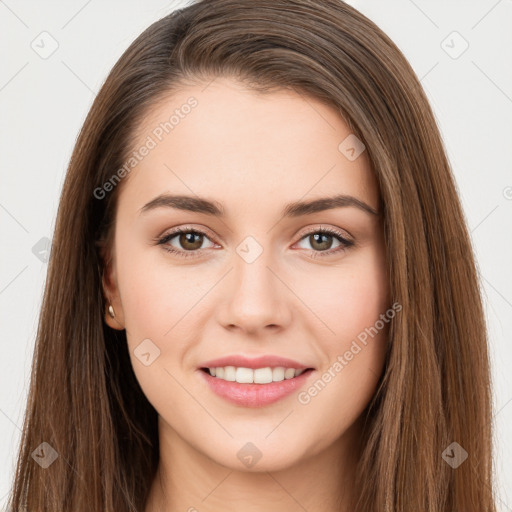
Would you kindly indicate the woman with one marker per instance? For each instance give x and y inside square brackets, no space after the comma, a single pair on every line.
[322,346]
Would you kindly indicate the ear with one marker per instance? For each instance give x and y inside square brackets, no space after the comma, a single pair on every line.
[111,291]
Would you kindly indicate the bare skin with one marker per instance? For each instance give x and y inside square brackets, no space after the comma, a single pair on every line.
[252,154]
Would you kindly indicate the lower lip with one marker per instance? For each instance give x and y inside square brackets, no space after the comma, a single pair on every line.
[254,395]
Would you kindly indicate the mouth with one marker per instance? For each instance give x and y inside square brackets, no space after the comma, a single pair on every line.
[254,387]
[265,375]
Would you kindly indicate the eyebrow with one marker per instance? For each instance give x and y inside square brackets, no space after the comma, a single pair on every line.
[295,209]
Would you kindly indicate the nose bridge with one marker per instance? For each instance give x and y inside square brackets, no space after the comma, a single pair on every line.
[256,297]
[253,279]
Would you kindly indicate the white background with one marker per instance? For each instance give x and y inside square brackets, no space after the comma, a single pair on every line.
[43,103]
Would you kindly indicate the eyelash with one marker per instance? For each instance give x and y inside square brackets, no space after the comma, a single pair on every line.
[345,244]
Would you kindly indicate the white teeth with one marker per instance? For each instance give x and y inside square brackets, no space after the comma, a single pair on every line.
[262,375]
[245,375]
[257,376]
[229,373]
[278,374]
[289,373]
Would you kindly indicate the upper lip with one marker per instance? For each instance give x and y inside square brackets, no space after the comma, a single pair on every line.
[264,361]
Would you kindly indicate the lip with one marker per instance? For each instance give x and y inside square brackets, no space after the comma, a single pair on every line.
[263,361]
[254,395]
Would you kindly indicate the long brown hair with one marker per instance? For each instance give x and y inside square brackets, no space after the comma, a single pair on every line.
[84,399]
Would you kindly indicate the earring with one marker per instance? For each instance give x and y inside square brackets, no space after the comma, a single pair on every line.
[111,311]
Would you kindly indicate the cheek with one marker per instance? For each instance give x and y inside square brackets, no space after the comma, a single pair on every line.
[155,299]
[347,383]
[153,291]
[357,351]
[351,297]
[351,305]
[160,303]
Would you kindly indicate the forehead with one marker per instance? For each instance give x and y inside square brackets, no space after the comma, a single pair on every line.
[241,147]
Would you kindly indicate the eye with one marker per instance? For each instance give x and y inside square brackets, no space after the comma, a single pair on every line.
[189,240]
[321,240]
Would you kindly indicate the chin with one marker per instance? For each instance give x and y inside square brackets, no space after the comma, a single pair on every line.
[257,455]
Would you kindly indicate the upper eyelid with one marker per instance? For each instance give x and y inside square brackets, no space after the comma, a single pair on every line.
[323,227]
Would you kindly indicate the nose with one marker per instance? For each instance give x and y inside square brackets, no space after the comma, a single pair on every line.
[256,299]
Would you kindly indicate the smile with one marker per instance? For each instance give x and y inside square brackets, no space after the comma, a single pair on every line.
[246,388]
[257,376]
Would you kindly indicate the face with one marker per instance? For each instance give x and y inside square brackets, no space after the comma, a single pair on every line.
[235,278]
